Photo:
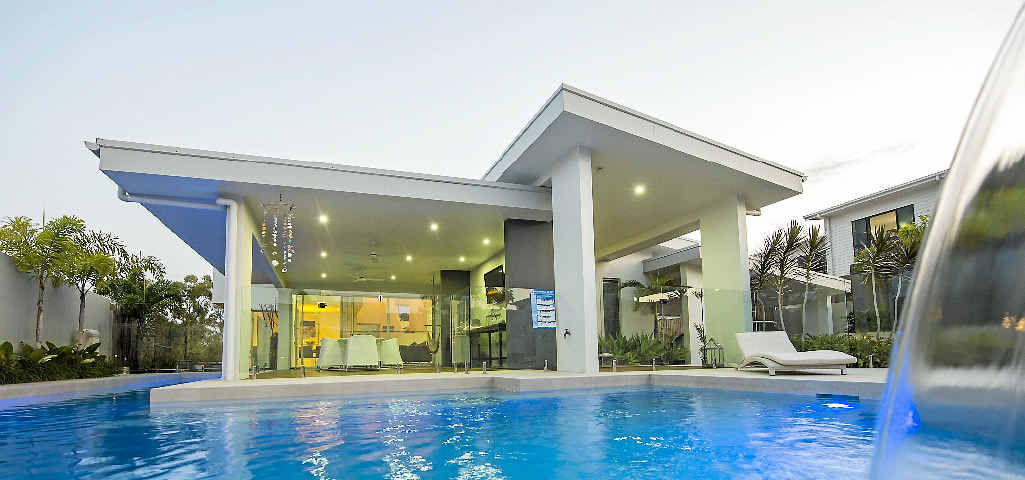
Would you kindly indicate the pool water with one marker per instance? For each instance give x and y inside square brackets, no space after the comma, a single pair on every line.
[646,432]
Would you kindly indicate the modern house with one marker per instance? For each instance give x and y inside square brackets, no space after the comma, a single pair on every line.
[314,251]
[849,224]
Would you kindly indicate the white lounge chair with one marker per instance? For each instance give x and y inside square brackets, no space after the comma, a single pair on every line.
[361,351]
[774,351]
[388,350]
[332,353]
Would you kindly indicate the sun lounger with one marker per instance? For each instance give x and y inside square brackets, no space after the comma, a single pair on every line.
[388,350]
[361,351]
[774,351]
[332,353]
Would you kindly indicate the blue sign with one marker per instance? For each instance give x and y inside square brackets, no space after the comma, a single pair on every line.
[542,308]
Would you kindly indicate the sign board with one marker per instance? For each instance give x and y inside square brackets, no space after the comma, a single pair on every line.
[542,308]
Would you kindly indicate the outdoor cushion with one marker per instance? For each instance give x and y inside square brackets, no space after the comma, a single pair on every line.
[331,353]
[776,346]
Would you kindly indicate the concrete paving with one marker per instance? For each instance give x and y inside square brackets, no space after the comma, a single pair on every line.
[865,383]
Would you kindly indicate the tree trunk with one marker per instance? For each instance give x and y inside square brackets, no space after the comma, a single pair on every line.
[896,313]
[81,310]
[779,302]
[875,304]
[185,324]
[39,311]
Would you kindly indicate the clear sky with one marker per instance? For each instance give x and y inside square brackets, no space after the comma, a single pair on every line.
[858,95]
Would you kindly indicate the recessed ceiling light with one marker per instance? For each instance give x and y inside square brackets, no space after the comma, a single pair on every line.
[409,258]
[323,254]
[274,262]
[434,227]
[487,241]
[323,275]
[462,259]
[393,277]
[323,218]
[639,189]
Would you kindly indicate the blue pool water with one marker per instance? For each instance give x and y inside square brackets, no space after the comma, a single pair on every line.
[647,432]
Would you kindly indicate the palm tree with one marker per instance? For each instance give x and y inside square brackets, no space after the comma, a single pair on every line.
[905,254]
[92,261]
[656,286]
[42,252]
[787,262]
[761,267]
[815,245]
[876,262]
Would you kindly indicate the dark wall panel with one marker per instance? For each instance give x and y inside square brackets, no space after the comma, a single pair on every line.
[529,263]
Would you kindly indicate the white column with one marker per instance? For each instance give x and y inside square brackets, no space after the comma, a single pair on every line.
[238,268]
[724,266]
[575,291]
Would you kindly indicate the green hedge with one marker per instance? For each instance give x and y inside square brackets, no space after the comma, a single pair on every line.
[52,362]
[858,346]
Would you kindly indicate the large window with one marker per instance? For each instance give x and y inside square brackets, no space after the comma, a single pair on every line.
[890,221]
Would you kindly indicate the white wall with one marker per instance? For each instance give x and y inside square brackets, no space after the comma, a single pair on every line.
[18,293]
[839,228]
[626,268]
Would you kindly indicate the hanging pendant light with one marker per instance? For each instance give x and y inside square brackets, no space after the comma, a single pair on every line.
[277,233]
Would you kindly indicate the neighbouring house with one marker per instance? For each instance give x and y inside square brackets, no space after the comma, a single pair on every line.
[504,269]
[849,224]
[18,294]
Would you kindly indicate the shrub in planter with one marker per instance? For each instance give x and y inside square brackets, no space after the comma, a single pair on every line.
[860,347]
[52,362]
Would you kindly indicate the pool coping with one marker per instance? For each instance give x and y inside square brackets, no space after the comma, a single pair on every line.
[863,383]
[18,391]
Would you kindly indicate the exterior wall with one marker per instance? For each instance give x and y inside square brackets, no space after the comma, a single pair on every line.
[626,268]
[18,293]
[839,228]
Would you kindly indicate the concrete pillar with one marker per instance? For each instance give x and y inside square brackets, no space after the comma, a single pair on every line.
[575,291]
[238,273]
[724,266]
[690,275]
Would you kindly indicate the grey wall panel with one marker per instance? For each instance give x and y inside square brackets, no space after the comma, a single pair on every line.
[529,263]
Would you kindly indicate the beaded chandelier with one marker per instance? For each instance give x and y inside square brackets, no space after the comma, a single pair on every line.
[278,231]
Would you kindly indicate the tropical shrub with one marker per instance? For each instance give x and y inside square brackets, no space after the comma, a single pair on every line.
[641,349]
[857,346]
[52,362]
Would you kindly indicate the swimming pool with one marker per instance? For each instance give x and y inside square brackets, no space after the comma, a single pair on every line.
[643,432]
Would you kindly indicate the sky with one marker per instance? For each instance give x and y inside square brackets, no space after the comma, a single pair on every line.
[858,95]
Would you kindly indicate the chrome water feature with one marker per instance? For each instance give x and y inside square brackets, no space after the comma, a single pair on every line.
[483,368]
[613,365]
[958,369]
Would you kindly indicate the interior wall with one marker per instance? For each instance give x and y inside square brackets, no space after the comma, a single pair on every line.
[479,309]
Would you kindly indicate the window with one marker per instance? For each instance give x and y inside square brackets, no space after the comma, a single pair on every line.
[890,221]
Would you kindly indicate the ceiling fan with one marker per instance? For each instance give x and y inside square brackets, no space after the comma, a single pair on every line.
[362,277]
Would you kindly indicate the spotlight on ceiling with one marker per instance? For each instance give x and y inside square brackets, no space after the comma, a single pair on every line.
[487,241]
[462,259]
[639,189]
[323,254]
[323,275]
[322,218]
[393,277]
[409,258]
[434,227]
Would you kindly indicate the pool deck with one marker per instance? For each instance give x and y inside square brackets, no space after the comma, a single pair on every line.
[862,382]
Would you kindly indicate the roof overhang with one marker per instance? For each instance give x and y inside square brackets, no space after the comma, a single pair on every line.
[934,178]
[683,172]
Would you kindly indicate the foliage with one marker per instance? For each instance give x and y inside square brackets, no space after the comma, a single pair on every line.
[52,362]
[858,346]
[761,267]
[657,285]
[200,318]
[787,262]
[876,262]
[814,248]
[91,261]
[641,349]
[42,252]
